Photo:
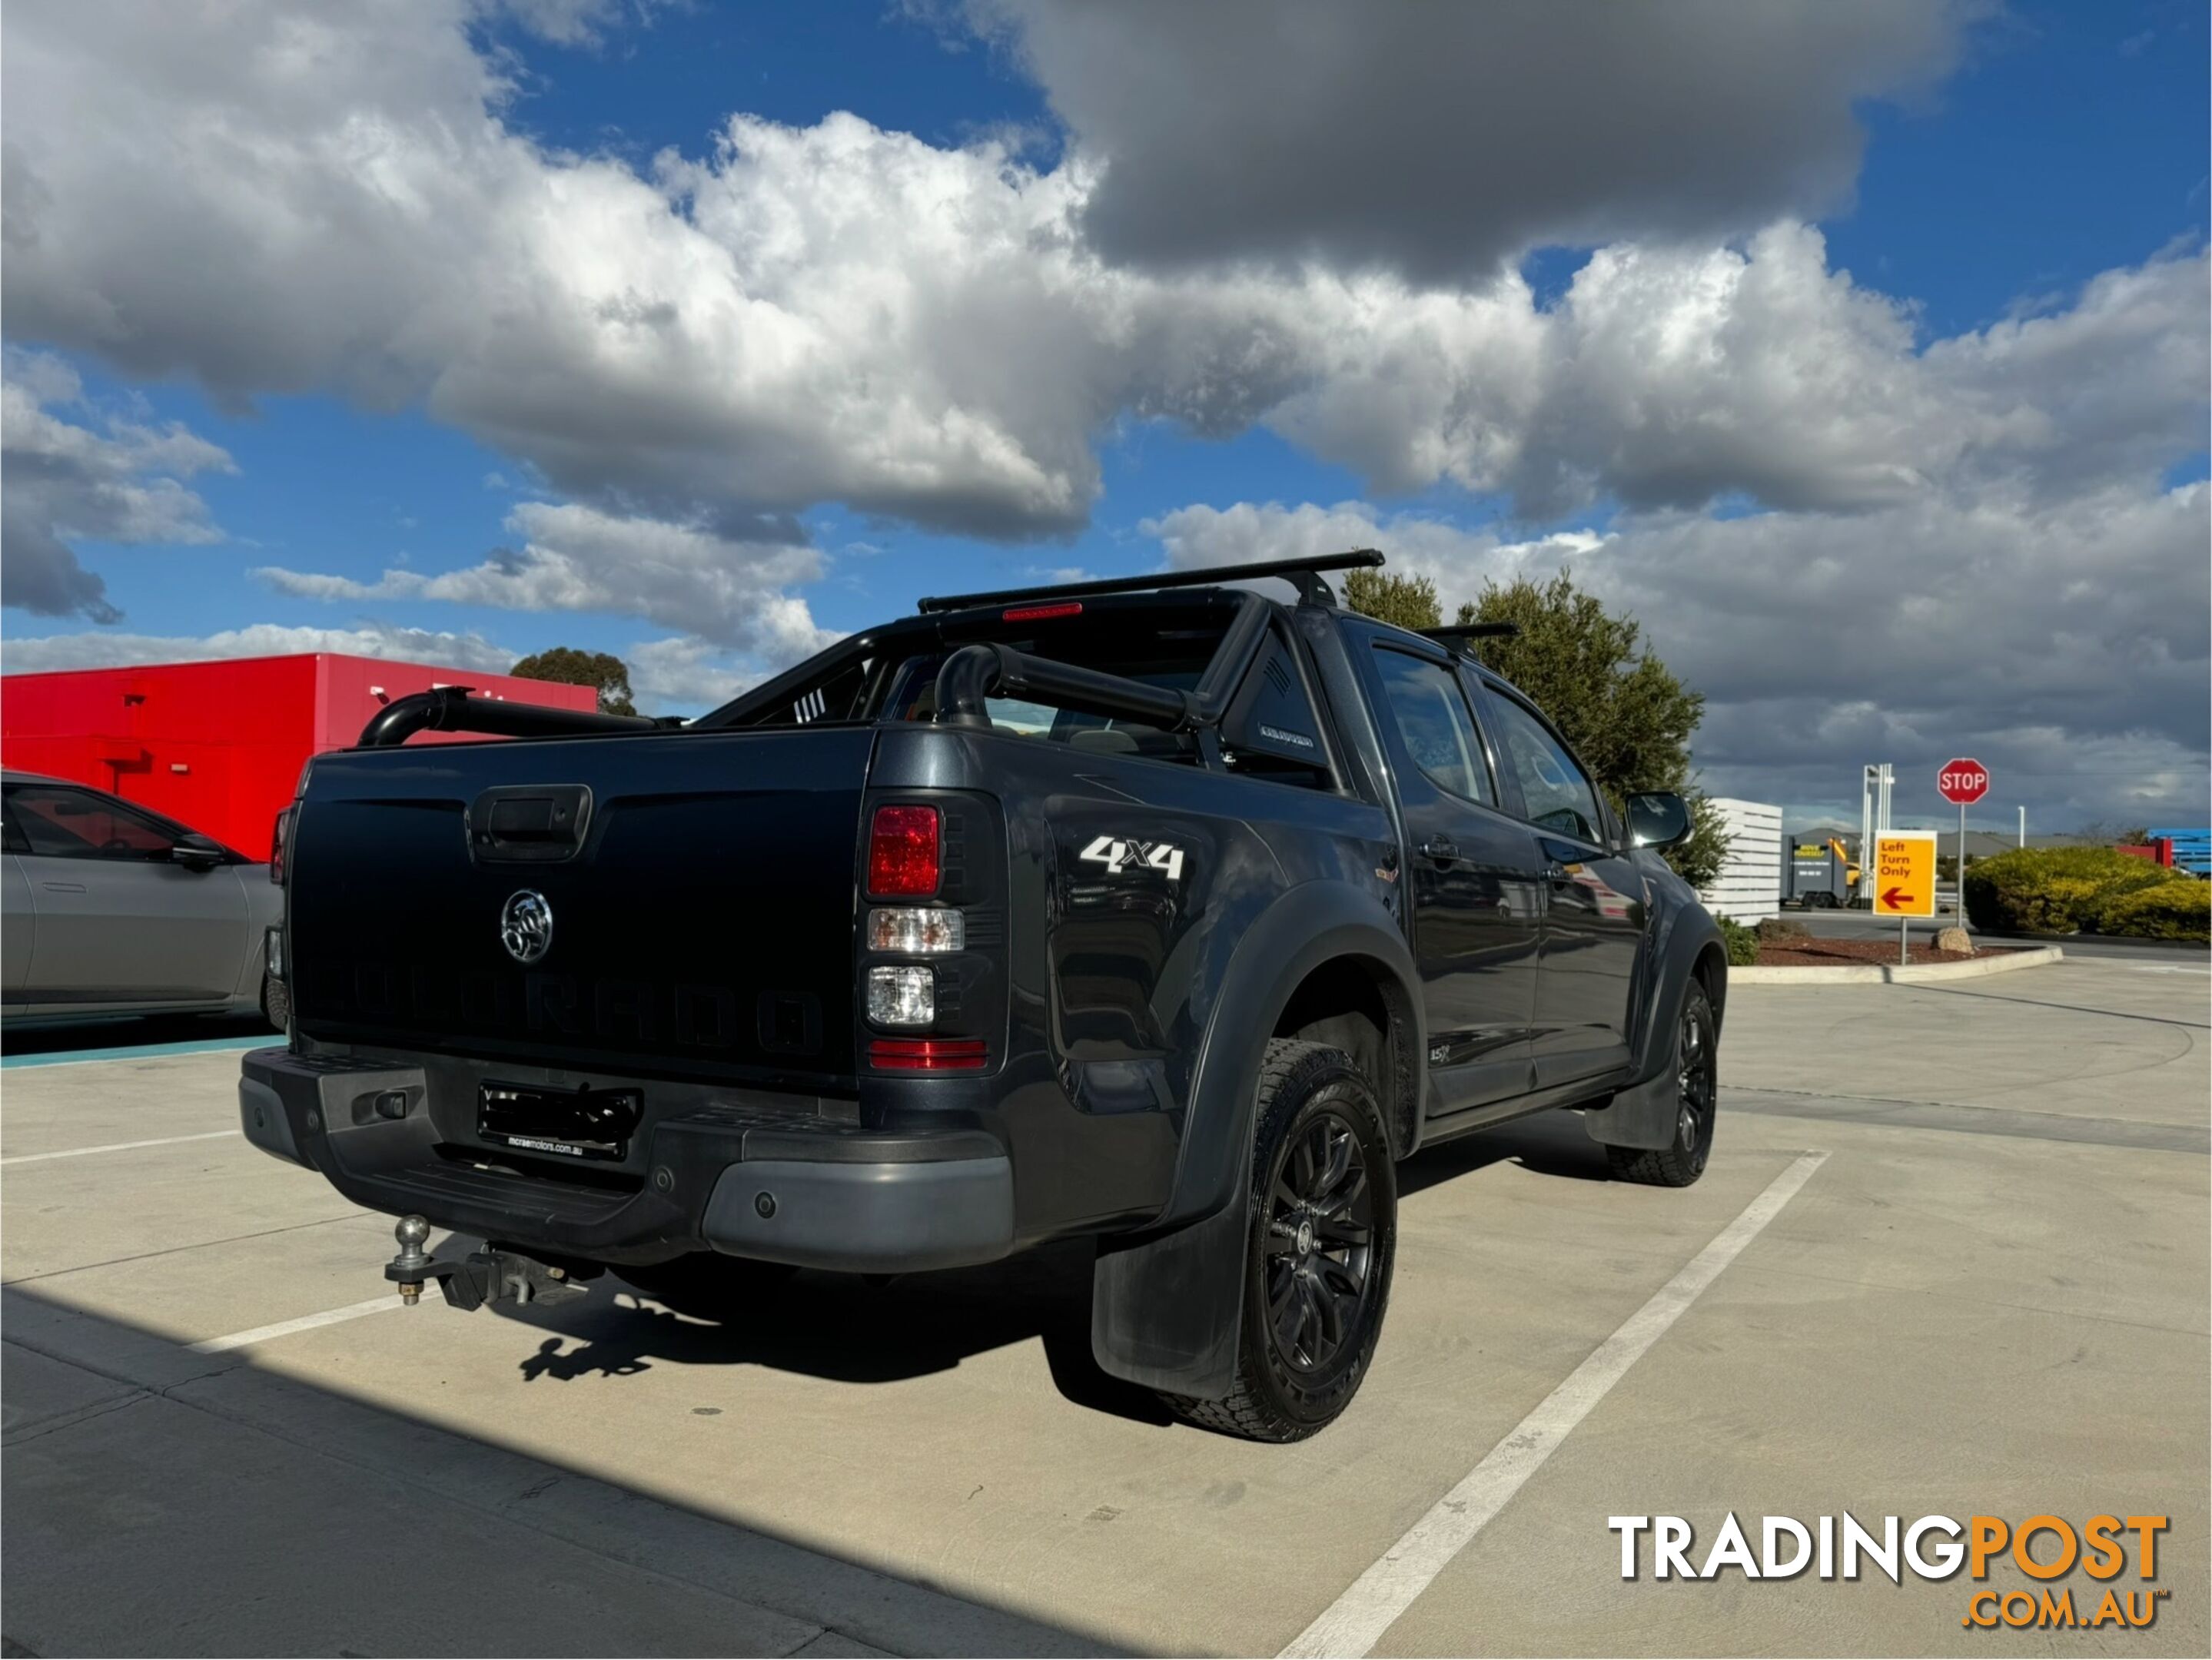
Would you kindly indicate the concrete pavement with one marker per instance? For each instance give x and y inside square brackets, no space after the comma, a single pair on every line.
[1989,1298]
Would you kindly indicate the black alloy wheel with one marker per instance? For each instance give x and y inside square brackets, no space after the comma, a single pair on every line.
[1321,1240]
[1697,1093]
[1320,1244]
[1695,1081]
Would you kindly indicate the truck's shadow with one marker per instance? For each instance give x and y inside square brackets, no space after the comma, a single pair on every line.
[845,1329]
[248,1512]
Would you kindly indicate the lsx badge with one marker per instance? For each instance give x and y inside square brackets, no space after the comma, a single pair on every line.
[1118,855]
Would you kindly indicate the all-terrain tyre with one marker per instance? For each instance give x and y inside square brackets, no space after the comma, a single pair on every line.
[708,1284]
[1682,1160]
[1317,1259]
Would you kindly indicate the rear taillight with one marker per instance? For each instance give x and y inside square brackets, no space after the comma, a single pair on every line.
[903,852]
[927,1054]
[279,845]
[1039,613]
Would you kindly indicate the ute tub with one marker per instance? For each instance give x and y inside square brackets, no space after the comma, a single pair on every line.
[723,1177]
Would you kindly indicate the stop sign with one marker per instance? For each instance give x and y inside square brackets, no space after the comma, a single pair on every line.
[1963,780]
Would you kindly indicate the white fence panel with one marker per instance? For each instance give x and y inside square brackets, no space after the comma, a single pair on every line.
[1749,886]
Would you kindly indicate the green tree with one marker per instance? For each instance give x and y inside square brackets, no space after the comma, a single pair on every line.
[1410,602]
[1624,712]
[568,667]
[1619,708]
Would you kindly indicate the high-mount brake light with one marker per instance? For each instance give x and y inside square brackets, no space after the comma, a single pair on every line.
[903,852]
[1039,613]
[928,1054]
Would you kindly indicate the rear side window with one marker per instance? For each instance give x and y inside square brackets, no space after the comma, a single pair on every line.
[1270,730]
[1430,714]
[835,695]
[1556,794]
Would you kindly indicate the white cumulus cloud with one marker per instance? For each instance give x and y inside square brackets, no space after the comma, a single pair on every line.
[1820,509]
[271,199]
[62,483]
[108,649]
[2065,645]
[572,557]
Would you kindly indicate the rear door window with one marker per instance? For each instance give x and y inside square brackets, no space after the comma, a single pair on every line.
[1432,718]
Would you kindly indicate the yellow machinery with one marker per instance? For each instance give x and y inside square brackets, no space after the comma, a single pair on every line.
[1819,874]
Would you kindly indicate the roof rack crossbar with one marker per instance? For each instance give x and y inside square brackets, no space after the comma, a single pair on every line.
[1305,574]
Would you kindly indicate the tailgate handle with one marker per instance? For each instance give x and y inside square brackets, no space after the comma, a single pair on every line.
[529,823]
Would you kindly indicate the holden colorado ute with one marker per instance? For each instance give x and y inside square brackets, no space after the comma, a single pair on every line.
[1156,912]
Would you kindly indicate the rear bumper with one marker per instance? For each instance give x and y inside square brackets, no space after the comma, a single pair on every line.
[818,1193]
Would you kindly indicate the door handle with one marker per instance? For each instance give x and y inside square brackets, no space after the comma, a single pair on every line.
[63,887]
[1440,847]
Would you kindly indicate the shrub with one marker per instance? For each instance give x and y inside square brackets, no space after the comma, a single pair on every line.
[1742,943]
[2166,910]
[1782,928]
[2055,890]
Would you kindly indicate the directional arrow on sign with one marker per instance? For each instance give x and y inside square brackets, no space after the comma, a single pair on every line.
[1896,899]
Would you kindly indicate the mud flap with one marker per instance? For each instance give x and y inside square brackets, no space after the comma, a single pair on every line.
[1166,1311]
[1641,1115]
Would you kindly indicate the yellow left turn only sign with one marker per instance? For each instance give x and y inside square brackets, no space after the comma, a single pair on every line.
[1904,874]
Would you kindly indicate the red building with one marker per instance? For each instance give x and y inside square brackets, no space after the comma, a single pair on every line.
[219,745]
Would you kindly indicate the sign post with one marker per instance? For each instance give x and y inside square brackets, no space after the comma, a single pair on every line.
[1873,817]
[1963,780]
[1903,874]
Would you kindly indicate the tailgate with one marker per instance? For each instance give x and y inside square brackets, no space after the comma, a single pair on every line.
[677,903]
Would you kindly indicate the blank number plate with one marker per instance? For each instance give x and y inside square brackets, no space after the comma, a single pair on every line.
[566,1123]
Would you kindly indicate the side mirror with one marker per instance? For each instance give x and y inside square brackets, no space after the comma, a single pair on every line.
[196,852]
[1658,819]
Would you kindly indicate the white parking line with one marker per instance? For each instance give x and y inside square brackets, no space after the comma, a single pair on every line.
[239,1339]
[116,1147]
[1353,1623]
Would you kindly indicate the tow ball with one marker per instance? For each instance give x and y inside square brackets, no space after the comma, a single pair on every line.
[489,1275]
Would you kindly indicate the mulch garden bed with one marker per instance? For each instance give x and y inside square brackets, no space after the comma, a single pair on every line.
[1839,953]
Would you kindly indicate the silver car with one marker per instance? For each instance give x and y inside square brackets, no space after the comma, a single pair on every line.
[108,910]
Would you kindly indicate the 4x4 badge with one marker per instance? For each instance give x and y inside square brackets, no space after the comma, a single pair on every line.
[1118,855]
[525,927]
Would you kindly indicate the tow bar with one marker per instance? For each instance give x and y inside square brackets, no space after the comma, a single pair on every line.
[489,1275]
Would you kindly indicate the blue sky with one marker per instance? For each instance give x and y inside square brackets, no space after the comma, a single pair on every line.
[2046,145]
